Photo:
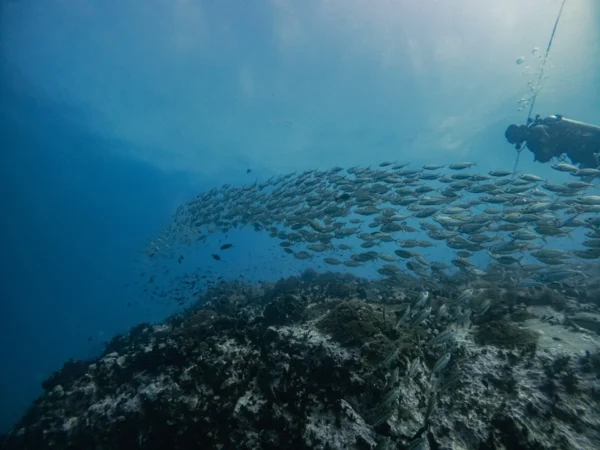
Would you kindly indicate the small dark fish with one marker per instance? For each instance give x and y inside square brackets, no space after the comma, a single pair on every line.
[343,198]
[226,246]
[180,259]
[248,170]
[215,256]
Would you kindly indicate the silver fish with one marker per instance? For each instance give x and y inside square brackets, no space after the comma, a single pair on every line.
[421,316]
[442,338]
[413,368]
[461,166]
[422,300]
[441,363]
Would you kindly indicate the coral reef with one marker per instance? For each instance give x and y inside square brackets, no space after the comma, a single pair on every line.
[311,362]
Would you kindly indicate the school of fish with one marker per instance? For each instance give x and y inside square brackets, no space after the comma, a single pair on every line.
[386,214]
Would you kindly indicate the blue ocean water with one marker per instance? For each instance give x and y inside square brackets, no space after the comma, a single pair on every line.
[115,113]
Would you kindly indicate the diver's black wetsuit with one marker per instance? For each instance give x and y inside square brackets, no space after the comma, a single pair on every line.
[555,136]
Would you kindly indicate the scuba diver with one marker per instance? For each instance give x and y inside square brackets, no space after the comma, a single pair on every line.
[555,136]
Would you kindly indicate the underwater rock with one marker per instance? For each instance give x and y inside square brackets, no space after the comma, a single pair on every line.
[589,321]
[506,335]
[294,368]
[70,371]
[283,311]
[352,323]
[202,317]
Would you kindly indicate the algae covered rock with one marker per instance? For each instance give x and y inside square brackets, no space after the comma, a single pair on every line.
[352,323]
[301,369]
[283,311]
[506,335]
